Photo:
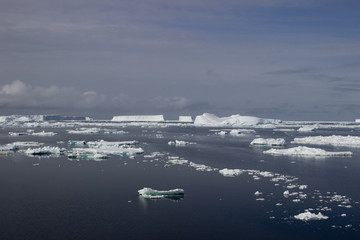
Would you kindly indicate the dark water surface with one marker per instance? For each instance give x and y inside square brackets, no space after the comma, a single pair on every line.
[55,198]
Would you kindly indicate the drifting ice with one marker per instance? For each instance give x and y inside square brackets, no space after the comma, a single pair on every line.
[45,151]
[334,140]
[306,216]
[179,143]
[151,193]
[268,141]
[212,120]
[306,151]
[230,172]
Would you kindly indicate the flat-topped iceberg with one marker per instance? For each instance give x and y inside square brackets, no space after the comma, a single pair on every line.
[185,119]
[306,151]
[152,193]
[139,118]
[335,140]
[237,120]
[307,216]
[268,141]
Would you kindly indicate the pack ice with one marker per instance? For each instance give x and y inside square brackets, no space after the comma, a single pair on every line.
[268,141]
[335,140]
[307,215]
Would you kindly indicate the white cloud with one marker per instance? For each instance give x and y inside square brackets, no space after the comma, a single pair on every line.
[19,94]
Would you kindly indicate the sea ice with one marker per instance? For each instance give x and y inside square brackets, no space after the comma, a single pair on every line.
[179,143]
[201,167]
[230,172]
[45,151]
[152,193]
[306,151]
[185,119]
[84,131]
[268,141]
[335,140]
[307,215]
[308,128]
[237,120]
[44,134]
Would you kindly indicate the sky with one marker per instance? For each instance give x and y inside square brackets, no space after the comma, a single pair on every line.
[285,59]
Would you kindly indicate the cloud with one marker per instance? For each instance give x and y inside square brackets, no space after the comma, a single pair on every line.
[19,95]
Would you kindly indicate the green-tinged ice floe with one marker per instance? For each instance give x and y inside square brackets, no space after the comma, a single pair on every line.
[87,156]
[155,194]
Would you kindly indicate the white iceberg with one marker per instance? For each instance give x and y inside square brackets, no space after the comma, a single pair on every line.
[185,119]
[230,172]
[307,216]
[152,193]
[139,118]
[306,151]
[268,141]
[335,140]
[237,120]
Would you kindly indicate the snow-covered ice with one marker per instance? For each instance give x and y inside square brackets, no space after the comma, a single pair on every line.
[307,216]
[230,172]
[268,141]
[306,151]
[335,140]
[211,120]
[47,150]
[152,193]
[179,143]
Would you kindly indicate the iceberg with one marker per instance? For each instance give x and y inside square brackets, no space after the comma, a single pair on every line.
[268,141]
[306,151]
[151,193]
[230,172]
[211,120]
[139,118]
[307,216]
[185,119]
[335,140]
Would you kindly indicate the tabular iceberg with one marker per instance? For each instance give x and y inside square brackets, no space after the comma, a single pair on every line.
[211,120]
[139,118]
[152,193]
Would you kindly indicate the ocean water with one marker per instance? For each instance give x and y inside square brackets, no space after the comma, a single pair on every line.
[57,198]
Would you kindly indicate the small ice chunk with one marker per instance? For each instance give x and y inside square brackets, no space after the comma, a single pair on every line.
[257,193]
[179,143]
[152,193]
[307,215]
[230,172]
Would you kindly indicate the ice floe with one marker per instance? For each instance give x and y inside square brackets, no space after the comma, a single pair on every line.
[335,140]
[84,131]
[268,141]
[306,151]
[180,143]
[307,216]
[211,120]
[152,193]
[47,150]
[230,172]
